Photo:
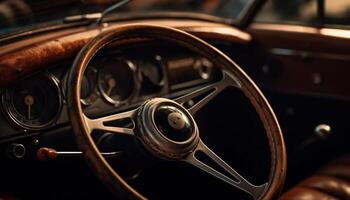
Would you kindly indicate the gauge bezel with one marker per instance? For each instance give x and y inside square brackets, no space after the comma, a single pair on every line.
[158,61]
[134,91]
[8,108]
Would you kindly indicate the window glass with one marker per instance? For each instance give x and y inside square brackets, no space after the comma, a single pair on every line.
[289,11]
[17,14]
[337,12]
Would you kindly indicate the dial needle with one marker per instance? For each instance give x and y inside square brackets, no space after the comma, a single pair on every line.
[111,84]
[29,101]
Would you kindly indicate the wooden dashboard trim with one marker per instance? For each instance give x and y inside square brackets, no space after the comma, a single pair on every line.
[27,56]
[331,32]
[313,39]
[306,60]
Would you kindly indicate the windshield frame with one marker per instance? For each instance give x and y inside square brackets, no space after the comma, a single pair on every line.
[246,16]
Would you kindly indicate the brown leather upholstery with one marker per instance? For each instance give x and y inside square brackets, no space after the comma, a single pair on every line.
[330,182]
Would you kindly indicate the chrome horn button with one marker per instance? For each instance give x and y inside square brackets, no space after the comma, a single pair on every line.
[172,123]
[166,129]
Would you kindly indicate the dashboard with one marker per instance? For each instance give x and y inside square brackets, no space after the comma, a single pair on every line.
[115,80]
[298,82]
[34,109]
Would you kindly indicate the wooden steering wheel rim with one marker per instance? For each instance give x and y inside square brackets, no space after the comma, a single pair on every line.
[132,33]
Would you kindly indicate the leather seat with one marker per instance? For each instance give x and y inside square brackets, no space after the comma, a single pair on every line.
[330,182]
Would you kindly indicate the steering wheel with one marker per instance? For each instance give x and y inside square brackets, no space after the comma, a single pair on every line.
[164,127]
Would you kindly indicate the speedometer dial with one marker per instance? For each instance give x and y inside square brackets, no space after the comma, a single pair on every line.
[117,80]
[34,103]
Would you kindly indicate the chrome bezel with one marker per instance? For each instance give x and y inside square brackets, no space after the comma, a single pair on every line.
[158,61]
[134,91]
[9,112]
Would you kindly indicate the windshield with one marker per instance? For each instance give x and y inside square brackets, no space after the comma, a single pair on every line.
[17,14]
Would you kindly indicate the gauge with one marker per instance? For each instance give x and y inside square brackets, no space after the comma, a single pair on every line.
[204,67]
[152,73]
[117,80]
[88,92]
[34,103]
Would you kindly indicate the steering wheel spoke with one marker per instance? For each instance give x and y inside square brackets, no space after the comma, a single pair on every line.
[233,177]
[207,93]
[106,123]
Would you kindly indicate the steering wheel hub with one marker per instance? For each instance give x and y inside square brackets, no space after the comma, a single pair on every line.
[173,123]
[166,129]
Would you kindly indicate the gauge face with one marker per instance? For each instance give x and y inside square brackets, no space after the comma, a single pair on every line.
[88,92]
[117,81]
[34,103]
[204,67]
[152,72]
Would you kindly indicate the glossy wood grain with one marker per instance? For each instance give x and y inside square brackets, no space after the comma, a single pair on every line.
[27,56]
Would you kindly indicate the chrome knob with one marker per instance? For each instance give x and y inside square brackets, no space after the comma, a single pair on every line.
[16,151]
[323,131]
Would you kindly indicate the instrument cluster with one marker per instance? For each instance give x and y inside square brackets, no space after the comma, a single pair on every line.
[119,81]
[110,82]
[36,102]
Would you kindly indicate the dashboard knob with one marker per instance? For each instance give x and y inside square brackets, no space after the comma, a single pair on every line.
[323,131]
[16,151]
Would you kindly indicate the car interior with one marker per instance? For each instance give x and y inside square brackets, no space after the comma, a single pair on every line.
[188,99]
